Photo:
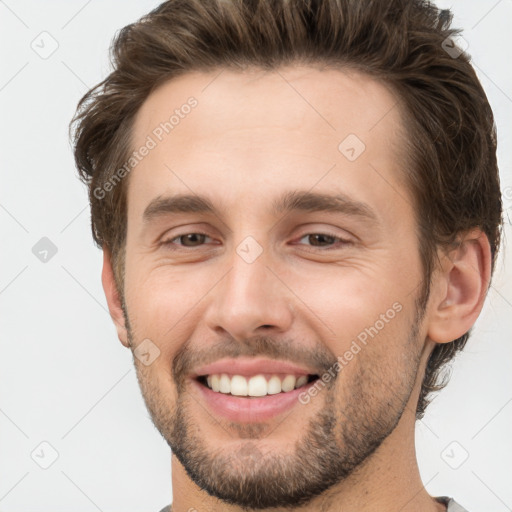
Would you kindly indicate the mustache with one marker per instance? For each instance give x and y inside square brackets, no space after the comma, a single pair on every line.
[319,359]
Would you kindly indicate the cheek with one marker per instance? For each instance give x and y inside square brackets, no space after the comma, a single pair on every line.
[365,322]
[164,306]
[159,298]
[378,367]
[350,300]
[382,338]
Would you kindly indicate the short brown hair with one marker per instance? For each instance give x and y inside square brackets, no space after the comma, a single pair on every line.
[453,174]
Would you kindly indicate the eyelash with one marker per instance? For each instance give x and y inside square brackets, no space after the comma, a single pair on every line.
[170,243]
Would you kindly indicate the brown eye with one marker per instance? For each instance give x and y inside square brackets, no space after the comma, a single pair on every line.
[188,240]
[320,239]
[323,240]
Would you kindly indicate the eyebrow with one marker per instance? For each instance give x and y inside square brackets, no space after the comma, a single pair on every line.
[303,201]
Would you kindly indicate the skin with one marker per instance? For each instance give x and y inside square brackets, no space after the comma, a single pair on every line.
[253,136]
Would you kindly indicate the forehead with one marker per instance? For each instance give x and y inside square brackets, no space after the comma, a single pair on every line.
[264,129]
[331,100]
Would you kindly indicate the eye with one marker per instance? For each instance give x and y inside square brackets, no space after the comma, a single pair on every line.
[187,239]
[191,240]
[320,239]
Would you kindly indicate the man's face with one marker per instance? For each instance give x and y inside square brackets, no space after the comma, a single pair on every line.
[330,293]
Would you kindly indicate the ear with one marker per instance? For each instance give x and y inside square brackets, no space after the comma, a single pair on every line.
[113,297]
[461,286]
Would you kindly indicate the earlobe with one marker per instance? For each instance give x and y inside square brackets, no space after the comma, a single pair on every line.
[113,297]
[464,281]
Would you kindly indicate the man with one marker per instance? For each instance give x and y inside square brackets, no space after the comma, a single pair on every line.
[299,208]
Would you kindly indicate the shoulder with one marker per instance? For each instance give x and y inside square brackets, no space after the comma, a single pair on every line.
[451,504]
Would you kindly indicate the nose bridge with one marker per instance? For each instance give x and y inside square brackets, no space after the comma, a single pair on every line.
[250,296]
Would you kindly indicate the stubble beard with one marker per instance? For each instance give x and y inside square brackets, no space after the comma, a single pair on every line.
[339,438]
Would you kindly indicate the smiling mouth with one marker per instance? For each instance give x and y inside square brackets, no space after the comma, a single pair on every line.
[256,386]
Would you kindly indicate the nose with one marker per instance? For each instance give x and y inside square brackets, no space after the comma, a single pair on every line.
[250,300]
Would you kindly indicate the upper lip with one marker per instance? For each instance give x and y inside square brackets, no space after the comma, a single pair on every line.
[251,366]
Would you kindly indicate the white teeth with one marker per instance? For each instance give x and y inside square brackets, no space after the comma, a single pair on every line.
[301,381]
[288,383]
[257,385]
[215,382]
[239,386]
[274,385]
[225,384]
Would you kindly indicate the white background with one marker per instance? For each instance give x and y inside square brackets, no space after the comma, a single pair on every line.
[65,378]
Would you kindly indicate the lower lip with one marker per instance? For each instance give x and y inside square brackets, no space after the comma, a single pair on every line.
[249,410]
